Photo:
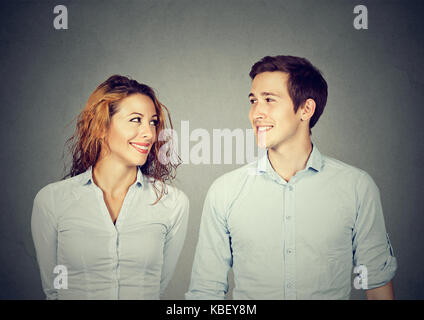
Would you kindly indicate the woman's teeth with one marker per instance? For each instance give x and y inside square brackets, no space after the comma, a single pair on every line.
[141,148]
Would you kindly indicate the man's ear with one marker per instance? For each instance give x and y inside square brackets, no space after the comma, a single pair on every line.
[307,110]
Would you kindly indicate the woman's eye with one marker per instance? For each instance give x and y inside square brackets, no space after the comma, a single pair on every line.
[137,119]
[252,101]
[154,122]
[269,100]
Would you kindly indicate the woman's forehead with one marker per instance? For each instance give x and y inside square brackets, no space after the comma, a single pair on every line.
[137,103]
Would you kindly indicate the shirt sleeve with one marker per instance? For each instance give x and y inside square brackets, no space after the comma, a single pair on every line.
[213,257]
[174,241]
[370,242]
[44,234]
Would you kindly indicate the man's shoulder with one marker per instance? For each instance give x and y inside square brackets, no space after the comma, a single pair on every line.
[234,178]
[225,189]
[357,177]
[335,165]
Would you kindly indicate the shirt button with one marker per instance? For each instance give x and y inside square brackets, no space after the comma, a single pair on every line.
[289,251]
[288,217]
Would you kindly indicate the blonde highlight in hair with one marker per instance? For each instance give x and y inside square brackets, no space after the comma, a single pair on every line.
[94,120]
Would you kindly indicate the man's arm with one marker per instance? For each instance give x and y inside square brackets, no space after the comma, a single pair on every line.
[381,293]
[213,257]
[370,243]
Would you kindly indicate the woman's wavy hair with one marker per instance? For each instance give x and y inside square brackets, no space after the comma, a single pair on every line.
[94,119]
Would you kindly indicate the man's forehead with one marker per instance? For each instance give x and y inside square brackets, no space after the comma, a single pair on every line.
[271,82]
[271,78]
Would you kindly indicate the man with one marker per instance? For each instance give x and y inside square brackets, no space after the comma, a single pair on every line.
[295,228]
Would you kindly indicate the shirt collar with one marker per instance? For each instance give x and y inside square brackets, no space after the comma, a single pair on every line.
[87,176]
[315,159]
[314,162]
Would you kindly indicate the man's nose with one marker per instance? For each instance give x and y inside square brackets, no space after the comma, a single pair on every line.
[259,111]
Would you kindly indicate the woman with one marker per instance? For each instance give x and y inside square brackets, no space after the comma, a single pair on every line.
[114,228]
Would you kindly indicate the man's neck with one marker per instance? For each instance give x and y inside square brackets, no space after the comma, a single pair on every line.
[291,157]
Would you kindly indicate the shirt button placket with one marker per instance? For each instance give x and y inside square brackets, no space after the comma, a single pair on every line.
[290,257]
[117,264]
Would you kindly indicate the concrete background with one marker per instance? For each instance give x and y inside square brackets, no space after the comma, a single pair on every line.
[197,55]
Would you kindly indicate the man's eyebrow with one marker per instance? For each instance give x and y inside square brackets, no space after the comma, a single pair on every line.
[265,93]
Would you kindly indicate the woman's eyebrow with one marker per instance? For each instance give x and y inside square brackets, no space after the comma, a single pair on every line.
[155,115]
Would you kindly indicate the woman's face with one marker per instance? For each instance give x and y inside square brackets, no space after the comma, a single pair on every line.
[132,130]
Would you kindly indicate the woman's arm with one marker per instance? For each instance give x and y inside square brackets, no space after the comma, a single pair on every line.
[44,234]
[174,241]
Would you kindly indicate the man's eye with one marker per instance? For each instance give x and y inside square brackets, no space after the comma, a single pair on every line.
[252,101]
[136,119]
[154,122]
[269,100]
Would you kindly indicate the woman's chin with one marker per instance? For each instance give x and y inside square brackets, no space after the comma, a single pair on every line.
[141,162]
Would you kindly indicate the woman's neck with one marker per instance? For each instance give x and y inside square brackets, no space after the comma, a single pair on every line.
[112,177]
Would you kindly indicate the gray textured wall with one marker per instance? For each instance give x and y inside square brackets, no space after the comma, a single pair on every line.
[197,55]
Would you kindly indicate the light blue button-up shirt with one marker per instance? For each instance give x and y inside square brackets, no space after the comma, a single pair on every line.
[291,240]
[132,259]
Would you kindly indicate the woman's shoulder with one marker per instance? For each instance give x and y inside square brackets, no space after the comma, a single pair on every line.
[172,196]
[58,188]
[176,202]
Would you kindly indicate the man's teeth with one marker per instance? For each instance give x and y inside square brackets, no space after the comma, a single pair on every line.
[264,128]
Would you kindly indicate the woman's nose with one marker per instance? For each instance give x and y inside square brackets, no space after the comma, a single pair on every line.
[148,132]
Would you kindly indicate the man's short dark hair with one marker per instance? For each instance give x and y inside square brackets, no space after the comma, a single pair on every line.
[305,81]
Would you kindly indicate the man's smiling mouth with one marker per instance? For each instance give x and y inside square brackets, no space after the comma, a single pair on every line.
[262,129]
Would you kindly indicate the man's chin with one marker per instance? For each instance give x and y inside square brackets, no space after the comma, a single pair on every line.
[263,144]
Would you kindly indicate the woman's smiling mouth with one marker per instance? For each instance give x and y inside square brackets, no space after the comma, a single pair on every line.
[141,147]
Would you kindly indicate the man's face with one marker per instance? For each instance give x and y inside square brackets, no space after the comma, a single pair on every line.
[272,113]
